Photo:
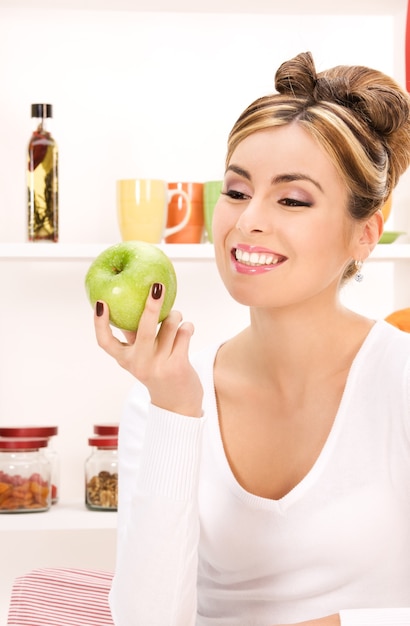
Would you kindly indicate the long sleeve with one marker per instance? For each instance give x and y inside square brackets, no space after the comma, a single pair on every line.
[158,531]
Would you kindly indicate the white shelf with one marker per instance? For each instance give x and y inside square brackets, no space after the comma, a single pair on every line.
[390,252]
[349,7]
[176,252]
[59,517]
[88,252]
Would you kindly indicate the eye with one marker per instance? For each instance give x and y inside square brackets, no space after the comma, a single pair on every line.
[291,202]
[235,195]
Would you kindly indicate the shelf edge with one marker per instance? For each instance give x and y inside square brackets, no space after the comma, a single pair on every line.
[176,252]
[88,252]
[60,517]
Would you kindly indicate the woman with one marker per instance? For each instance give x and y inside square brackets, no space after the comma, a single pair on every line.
[268,482]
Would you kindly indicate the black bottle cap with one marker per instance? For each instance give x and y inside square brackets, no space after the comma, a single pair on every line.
[41,110]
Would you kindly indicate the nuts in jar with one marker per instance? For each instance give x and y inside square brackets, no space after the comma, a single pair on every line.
[101,488]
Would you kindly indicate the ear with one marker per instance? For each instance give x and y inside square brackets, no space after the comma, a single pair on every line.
[370,232]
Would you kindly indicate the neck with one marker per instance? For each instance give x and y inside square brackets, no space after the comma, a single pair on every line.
[290,344]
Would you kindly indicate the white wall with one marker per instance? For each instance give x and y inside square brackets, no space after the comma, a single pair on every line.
[148,94]
[134,94]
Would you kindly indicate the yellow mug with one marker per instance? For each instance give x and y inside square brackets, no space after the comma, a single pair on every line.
[142,209]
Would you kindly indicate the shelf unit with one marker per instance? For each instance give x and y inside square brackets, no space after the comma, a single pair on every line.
[176,252]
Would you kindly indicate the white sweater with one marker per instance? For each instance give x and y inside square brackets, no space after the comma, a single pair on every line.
[195,548]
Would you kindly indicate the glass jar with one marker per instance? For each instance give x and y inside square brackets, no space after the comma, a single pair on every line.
[25,475]
[101,477]
[42,432]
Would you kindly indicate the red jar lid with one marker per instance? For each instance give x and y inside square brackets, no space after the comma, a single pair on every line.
[22,443]
[28,431]
[103,442]
[106,429]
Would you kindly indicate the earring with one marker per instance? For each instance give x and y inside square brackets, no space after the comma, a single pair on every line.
[358,276]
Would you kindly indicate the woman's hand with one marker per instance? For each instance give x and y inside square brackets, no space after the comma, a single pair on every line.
[159,360]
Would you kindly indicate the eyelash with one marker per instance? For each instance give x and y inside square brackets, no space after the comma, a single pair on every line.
[295,203]
[235,195]
[289,202]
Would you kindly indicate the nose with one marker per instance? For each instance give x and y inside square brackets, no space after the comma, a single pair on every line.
[255,218]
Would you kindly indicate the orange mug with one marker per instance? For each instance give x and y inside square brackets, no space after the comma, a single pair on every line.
[193,230]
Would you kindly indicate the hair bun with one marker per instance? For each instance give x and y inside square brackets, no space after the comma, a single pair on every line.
[381,104]
[369,93]
[297,76]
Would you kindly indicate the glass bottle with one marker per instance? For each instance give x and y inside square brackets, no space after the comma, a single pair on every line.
[42,178]
[101,474]
[25,473]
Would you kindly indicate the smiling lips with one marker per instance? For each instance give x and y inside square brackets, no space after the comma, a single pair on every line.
[250,260]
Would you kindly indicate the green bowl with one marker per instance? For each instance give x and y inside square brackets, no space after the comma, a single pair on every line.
[390,236]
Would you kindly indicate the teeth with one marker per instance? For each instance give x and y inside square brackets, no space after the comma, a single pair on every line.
[254,258]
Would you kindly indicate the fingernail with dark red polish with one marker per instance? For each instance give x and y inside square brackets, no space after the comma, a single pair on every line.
[156,291]
[99,308]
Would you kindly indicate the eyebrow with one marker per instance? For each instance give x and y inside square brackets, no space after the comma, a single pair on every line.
[277,180]
[288,178]
[238,170]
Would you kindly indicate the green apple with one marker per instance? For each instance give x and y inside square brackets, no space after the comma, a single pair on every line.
[122,276]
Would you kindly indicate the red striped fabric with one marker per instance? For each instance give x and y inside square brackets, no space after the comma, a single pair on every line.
[61,597]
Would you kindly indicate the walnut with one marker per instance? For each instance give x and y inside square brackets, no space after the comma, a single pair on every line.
[102,491]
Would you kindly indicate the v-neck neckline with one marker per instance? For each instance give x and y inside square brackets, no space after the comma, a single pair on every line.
[310,478]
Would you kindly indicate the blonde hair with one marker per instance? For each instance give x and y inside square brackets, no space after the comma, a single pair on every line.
[360,116]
